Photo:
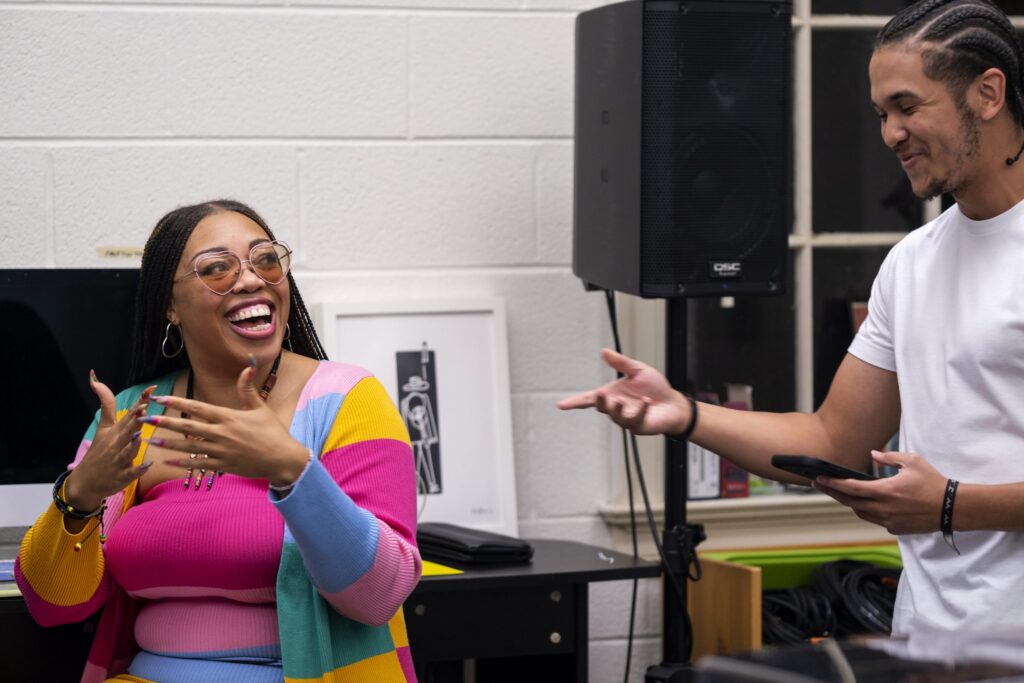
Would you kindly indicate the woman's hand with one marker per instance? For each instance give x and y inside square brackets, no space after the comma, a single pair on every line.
[642,401]
[106,467]
[250,442]
[909,502]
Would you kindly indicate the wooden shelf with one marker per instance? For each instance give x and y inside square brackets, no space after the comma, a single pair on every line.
[757,522]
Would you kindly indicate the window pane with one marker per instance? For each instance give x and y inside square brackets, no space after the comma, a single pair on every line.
[858,183]
[751,343]
[890,7]
[885,8]
[841,277]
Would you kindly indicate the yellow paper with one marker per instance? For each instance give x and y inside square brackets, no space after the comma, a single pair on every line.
[435,569]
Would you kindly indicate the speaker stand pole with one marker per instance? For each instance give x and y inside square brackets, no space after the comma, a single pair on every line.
[679,539]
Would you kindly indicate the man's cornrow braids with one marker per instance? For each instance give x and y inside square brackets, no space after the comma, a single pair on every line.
[969,36]
[907,19]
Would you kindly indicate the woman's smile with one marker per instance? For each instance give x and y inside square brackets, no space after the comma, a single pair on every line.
[253,319]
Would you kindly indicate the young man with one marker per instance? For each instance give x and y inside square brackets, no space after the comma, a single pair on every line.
[941,354]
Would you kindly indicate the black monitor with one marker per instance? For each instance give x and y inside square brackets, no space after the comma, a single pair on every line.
[58,324]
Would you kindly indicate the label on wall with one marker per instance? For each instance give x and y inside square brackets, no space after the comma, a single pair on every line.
[119,252]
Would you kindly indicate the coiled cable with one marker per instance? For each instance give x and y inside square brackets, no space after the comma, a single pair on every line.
[846,597]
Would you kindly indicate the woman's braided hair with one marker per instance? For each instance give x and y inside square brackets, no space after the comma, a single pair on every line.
[961,39]
[156,277]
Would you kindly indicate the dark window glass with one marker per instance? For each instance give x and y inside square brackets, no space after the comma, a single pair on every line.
[858,183]
[884,8]
[889,7]
[751,343]
[842,278]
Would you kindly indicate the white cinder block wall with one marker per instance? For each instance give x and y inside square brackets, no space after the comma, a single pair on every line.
[406,148]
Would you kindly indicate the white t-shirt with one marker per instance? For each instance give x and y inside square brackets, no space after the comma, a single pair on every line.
[947,315]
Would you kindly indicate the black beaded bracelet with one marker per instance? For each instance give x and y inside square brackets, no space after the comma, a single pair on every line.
[67,509]
[70,512]
[946,518]
[686,433]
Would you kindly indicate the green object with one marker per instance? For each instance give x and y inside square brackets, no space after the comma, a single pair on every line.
[791,567]
[759,486]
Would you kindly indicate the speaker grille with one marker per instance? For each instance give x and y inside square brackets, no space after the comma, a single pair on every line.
[716,146]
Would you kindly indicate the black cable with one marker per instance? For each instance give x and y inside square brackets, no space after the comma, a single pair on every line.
[614,318]
[795,615]
[847,597]
[673,579]
[669,573]
[863,595]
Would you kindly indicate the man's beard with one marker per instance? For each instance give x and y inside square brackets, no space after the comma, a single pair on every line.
[954,181]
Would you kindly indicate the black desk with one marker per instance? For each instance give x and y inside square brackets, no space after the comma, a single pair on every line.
[515,622]
[520,623]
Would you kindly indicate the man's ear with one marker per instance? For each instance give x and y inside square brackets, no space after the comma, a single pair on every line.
[989,93]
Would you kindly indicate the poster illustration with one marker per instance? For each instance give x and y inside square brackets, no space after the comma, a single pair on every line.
[417,402]
[444,365]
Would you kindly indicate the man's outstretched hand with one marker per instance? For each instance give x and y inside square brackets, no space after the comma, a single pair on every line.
[641,400]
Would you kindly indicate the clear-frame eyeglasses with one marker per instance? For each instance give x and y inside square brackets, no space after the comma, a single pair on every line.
[221,270]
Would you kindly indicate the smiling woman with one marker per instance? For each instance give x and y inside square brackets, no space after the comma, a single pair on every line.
[194,510]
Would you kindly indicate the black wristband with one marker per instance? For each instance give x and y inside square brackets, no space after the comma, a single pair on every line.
[946,518]
[69,510]
[685,434]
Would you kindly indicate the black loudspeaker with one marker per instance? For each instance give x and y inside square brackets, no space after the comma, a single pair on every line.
[683,169]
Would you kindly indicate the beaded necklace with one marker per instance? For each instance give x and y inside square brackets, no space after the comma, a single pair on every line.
[189,392]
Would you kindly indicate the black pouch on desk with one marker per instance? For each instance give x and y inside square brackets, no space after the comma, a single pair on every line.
[442,542]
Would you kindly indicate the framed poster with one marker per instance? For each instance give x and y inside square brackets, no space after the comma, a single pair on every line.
[445,365]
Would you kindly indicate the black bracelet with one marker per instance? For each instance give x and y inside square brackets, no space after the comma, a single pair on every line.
[946,518]
[67,509]
[685,434]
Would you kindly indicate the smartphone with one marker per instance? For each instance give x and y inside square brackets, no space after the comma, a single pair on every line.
[811,467]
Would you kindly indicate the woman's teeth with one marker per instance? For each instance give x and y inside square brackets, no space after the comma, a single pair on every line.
[255,311]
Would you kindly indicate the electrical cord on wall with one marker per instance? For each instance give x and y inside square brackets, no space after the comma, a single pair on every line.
[613,316]
[421,490]
[669,573]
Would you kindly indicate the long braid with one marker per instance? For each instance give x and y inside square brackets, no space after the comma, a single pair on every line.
[304,338]
[156,277]
[159,262]
[961,39]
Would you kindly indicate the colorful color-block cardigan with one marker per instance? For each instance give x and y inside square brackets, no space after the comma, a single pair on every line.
[348,561]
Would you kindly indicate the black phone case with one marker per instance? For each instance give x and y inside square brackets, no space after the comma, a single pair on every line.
[810,467]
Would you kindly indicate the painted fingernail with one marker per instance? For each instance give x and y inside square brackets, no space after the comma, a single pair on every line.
[160,399]
[154,441]
[136,435]
[149,420]
[92,376]
[173,462]
[146,465]
[252,361]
